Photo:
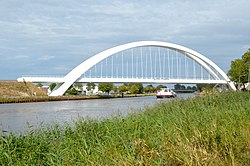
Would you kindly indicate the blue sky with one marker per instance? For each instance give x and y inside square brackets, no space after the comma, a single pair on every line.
[51,37]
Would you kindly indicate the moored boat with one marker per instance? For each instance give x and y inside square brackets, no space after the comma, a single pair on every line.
[165,93]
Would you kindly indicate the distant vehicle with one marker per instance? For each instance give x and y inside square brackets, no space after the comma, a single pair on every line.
[165,93]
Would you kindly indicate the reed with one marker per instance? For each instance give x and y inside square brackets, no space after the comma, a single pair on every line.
[210,130]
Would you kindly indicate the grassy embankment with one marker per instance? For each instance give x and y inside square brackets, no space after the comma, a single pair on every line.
[13,91]
[19,92]
[211,130]
[19,89]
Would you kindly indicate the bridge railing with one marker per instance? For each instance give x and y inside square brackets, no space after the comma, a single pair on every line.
[44,76]
[41,79]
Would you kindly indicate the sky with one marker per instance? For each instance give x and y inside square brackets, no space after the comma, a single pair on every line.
[51,37]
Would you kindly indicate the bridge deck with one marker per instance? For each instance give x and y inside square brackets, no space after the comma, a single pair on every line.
[37,79]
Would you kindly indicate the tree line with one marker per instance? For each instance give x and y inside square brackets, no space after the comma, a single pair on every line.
[130,88]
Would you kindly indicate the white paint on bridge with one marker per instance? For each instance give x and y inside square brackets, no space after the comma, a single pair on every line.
[37,79]
[216,74]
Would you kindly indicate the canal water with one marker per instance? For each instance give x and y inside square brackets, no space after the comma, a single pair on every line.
[25,116]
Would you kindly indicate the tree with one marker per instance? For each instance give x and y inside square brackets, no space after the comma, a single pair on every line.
[105,87]
[40,85]
[149,89]
[139,86]
[52,86]
[160,86]
[202,87]
[72,91]
[240,68]
[90,86]
[78,85]
[237,70]
[115,89]
[123,88]
[134,89]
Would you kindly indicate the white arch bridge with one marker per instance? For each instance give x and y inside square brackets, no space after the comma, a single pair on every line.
[143,62]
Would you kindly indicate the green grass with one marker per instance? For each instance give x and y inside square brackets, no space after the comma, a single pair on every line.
[211,130]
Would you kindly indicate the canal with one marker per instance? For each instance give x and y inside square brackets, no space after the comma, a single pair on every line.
[23,116]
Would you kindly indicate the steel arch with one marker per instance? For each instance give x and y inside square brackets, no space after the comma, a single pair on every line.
[76,73]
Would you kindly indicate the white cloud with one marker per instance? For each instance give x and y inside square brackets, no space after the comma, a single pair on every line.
[45,58]
[18,57]
[76,28]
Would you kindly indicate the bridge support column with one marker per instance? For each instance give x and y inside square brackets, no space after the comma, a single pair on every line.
[231,84]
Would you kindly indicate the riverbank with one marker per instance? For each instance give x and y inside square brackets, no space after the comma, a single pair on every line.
[28,99]
[7,100]
[210,130]
[19,89]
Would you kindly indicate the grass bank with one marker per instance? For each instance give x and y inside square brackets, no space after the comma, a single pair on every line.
[14,88]
[28,99]
[210,130]
[6,100]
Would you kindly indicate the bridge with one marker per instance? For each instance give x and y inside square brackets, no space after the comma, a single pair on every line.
[140,62]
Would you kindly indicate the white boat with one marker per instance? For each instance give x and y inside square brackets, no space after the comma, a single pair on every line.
[165,93]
